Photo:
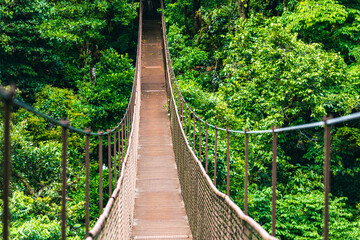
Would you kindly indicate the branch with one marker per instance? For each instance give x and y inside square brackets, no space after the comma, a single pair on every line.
[27,185]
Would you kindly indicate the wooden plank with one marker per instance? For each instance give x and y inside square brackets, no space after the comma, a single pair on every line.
[159,207]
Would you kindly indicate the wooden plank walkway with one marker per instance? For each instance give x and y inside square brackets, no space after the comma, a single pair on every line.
[159,207]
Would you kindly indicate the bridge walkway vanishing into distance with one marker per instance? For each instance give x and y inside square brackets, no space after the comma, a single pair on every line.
[158,157]
[159,208]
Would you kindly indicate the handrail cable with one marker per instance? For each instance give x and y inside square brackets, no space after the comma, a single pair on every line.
[226,218]
[119,204]
[337,120]
[341,119]
[125,126]
[6,95]
[186,113]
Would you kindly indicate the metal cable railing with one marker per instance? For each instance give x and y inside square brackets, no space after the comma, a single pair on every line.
[188,130]
[121,146]
[117,219]
[211,213]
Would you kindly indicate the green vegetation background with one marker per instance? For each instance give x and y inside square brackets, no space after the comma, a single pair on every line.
[240,64]
[254,64]
[72,59]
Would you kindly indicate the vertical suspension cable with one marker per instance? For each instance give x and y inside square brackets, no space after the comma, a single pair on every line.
[189,128]
[64,137]
[215,156]
[122,141]
[115,168]
[327,152]
[274,176]
[182,112]
[184,120]
[87,180]
[119,151]
[206,147]
[8,105]
[199,139]
[126,133]
[246,183]
[109,162]
[194,133]
[227,162]
[128,126]
[100,172]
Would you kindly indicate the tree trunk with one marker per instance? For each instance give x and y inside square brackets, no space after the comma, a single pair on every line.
[196,7]
[243,8]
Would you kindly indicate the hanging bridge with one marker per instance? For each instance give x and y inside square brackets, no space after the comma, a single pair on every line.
[158,157]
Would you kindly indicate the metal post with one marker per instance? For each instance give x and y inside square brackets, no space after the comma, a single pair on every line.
[246,187]
[228,162]
[115,168]
[194,133]
[184,124]
[125,134]
[182,113]
[130,114]
[126,123]
[8,103]
[327,152]
[109,161]
[87,181]
[215,157]
[200,139]
[100,172]
[64,136]
[206,147]
[122,141]
[274,176]
[189,127]
[119,147]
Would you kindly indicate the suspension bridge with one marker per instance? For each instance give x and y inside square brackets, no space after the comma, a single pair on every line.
[162,189]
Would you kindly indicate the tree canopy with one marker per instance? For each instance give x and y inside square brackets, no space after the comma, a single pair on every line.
[259,64]
[241,64]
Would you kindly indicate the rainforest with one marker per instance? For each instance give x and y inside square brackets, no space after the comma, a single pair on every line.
[244,64]
[258,64]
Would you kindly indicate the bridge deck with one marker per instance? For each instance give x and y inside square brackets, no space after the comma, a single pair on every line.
[159,207]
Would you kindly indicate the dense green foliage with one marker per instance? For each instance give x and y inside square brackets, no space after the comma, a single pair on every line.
[46,42]
[72,60]
[288,63]
[240,64]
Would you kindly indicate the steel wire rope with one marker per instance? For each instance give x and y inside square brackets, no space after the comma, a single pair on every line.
[9,96]
[241,223]
[6,95]
[349,117]
[327,122]
[105,215]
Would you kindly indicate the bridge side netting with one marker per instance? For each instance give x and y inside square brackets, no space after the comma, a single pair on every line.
[117,219]
[211,214]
